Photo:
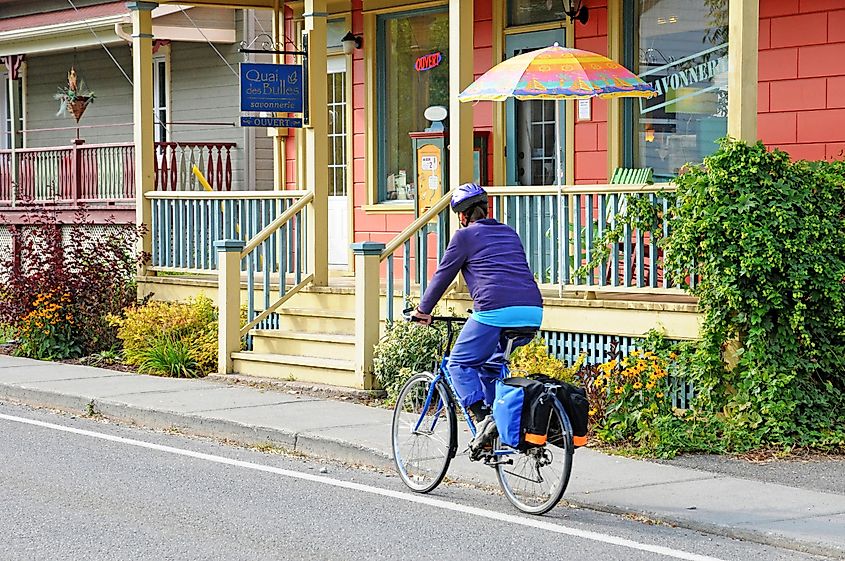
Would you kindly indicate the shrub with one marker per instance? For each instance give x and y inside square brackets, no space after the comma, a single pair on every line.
[168,355]
[157,336]
[763,237]
[405,349]
[534,358]
[56,293]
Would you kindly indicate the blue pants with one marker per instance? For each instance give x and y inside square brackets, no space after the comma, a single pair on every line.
[476,361]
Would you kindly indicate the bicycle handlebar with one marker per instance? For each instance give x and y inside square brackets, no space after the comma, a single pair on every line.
[406,313]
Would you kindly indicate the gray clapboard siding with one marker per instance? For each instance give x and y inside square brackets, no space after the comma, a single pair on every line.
[212,18]
[113,104]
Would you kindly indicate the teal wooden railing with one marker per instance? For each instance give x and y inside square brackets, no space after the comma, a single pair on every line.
[561,229]
[273,258]
[419,248]
[186,224]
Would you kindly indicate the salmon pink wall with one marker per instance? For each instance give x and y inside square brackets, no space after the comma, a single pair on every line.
[801,86]
[591,135]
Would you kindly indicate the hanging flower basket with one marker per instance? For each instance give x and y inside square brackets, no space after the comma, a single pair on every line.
[74,97]
[77,106]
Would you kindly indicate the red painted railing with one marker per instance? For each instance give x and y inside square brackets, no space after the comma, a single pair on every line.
[89,173]
[174,162]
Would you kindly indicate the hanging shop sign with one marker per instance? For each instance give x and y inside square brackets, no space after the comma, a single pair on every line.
[687,78]
[272,122]
[271,87]
[427,62]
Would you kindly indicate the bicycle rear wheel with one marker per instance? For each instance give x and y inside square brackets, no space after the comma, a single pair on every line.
[424,435]
[534,480]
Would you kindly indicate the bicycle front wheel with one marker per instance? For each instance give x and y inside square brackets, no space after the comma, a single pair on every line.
[534,480]
[424,436]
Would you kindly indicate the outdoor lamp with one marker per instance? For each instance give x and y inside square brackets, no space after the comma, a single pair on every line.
[351,42]
[576,11]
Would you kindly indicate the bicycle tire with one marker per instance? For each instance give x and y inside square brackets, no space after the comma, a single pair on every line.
[516,470]
[440,414]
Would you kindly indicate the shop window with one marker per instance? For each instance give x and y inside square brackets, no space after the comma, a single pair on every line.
[681,48]
[406,88]
[523,12]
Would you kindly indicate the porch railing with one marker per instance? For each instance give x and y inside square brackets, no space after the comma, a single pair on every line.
[174,162]
[89,173]
[562,229]
[186,224]
[427,235]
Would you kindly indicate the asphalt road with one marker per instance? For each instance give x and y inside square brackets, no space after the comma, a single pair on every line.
[82,488]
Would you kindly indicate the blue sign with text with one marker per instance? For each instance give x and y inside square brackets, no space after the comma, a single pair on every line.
[271,87]
[274,122]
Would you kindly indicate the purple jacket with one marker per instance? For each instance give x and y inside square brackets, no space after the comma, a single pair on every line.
[492,259]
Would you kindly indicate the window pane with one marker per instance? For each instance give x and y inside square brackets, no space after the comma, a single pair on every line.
[407,92]
[521,12]
[683,53]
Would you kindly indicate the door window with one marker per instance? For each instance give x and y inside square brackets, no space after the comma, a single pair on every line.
[531,155]
[337,128]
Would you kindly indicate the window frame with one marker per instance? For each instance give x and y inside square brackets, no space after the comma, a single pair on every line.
[381,100]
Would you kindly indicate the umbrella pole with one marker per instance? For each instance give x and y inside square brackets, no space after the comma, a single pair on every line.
[559,173]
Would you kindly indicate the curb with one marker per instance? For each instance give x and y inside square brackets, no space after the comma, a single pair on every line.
[328,448]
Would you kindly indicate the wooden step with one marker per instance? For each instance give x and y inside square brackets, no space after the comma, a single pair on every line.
[332,371]
[298,343]
[317,320]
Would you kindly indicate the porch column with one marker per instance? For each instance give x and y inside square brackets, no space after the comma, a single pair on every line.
[460,114]
[367,320]
[460,76]
[316,142]
[279,134]
[142,116]
[743,24]
[228,301]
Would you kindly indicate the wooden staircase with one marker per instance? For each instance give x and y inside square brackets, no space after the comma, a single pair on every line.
[316,342]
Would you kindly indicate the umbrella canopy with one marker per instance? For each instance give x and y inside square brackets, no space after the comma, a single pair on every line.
[556,73]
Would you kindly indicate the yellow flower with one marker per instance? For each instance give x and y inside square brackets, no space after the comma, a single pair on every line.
[659,394]
[673,355]
[617,391]
[637,385]
[591,412]
[649,386]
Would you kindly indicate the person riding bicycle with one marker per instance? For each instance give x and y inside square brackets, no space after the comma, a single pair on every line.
[504,293]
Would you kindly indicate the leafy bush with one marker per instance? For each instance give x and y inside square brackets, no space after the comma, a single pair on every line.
[170,338]
[168,356]
[763,237]
[534,358]
[56,293]
[405,349]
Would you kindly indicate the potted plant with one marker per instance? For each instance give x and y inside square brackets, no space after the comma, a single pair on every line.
[75,97]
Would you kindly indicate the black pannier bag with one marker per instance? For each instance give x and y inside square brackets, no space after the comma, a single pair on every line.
[521,410]
[574,401]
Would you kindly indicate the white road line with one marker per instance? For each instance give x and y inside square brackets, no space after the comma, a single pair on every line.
[536,523]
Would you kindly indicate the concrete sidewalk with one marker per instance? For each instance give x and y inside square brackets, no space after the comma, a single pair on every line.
[785,516]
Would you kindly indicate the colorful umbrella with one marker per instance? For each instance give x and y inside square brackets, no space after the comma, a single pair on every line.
[556,73]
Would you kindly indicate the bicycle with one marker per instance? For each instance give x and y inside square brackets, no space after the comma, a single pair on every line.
[425,411]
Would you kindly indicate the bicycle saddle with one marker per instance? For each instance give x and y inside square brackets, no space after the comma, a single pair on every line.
[519,332]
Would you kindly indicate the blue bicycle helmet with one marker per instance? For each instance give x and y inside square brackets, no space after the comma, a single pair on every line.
[467,196]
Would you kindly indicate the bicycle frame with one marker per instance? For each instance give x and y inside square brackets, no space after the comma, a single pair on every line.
[443,374]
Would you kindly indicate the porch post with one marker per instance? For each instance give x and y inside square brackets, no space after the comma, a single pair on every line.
[279,135]
[743,29]
[316,142]
[460,76]
[367,298]
[228,301]
[142,116]
[460,114]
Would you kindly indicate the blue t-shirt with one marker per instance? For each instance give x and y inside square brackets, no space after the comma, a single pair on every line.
[491,257]
[512,316]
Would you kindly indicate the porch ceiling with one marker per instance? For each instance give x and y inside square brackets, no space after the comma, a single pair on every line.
[263,4]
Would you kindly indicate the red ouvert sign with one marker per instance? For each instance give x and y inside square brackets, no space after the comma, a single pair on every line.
[427,62]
